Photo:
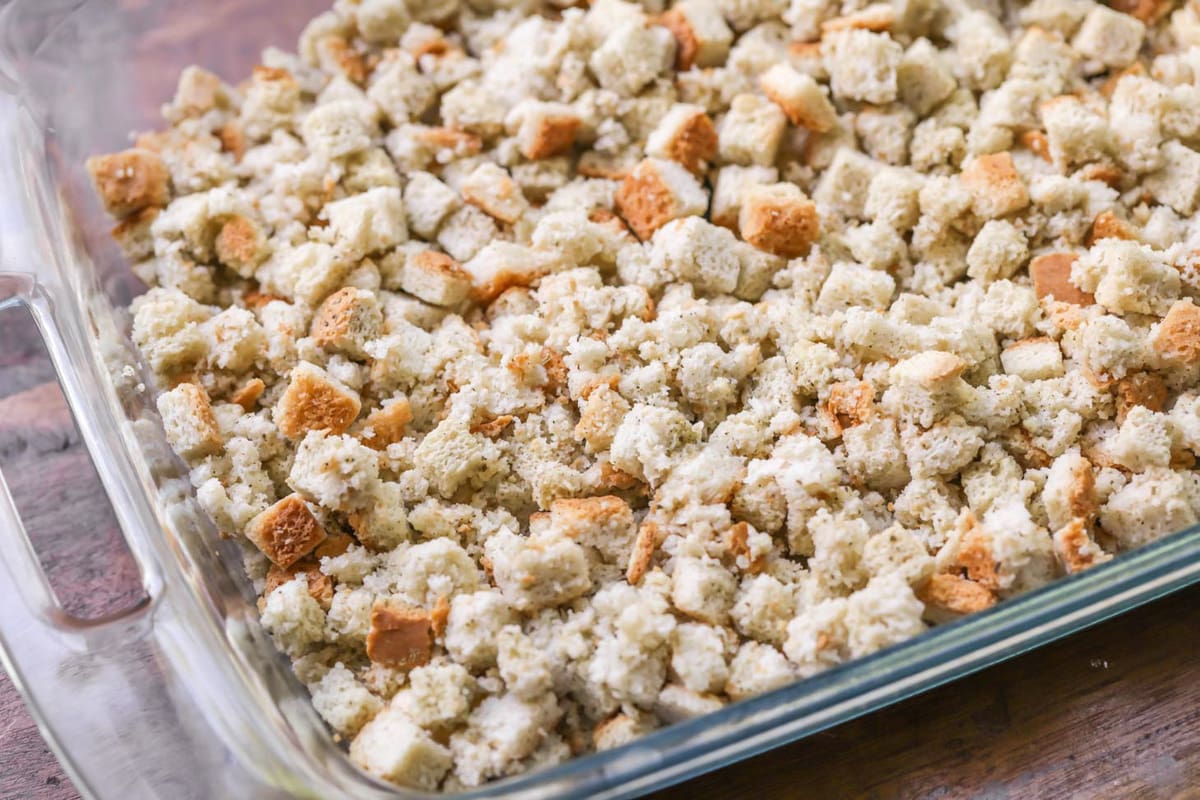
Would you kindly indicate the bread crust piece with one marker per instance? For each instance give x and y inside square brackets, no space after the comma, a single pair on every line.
[247,396]
[779,219]
[387,424]
[130,181]
[644,545]
[1051,273]
[955,595]
[285,532]
[401,636]
[1178,337]
[313,401]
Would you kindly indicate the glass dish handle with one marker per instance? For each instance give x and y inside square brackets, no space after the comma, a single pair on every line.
[77,675]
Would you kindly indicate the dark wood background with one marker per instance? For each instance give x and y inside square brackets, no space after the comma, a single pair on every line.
[1108,713]
[1111,712]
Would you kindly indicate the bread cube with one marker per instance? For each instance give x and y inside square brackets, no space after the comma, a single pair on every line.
[367,223]
[401,635]
[779,219]
[130,181]
[684,134]
[703,589]
[544,130]
[923,80]
[1178,337]
[428,201]
[190,424]
[538,572]
[729,185]
[399,89]
[285,532]
[1109,37]
[393,748]
[696,251]
[751,131]
[998,251]
[632,56]
[656,192]
[1127,277]
[336,129]
[314,400]
[843,186]
[503,265]
[1033,359]
[435,278]
[492,189]
[1177,183]
[862,65]
[800,97]
[855,286]
[702,38]
[1076,134]
[465,232]
[1051,274]
[995,187]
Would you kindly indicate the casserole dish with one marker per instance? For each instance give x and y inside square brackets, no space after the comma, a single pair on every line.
[184,694]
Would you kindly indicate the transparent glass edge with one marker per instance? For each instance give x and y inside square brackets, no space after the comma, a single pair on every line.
[753,726]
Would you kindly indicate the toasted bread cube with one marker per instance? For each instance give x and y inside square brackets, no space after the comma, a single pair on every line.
[189,421]
[386,425]
[314,400]
[241,245]
[632,56]
[684,134]
[862,65]
[544,130]
[1109,37]
[1051,274]
[800,97]
[502,265]
[996,188]
[394,748]
[729,186]
[427,202]
[751,131]
[1033,359]
[493,190]
[604,523]
[657,192]
[779,219]
[435,278]
[130,181]
[133,234]
[702,38]
[367,223]
[1150,12]
[1178,337]
[998,251]
[948,597]
[1108,225]
[1177,184]
[285,532]
[401,635]
[1075,549]
[346,321]
[399,89]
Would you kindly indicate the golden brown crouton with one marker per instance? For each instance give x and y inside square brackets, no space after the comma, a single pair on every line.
[1051,275]
[320,585]
[996,188]
[313,401]
[1038,144]
[691,140]
[1178,337]
[656,192]
[386,425]
[952,595]
[1139,389]
[551,135]
[130,180]
[401,635]
[285,532]
[1108,225]
[644,545]
[247,396]
[591,517]
[779,219]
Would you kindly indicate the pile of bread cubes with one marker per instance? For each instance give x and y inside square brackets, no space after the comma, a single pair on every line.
[570,370]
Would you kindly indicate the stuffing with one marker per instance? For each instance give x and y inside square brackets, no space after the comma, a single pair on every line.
[570,372]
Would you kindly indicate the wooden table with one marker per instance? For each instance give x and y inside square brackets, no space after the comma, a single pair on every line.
[1109,713]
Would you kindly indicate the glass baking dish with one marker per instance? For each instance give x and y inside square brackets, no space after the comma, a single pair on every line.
[184,695]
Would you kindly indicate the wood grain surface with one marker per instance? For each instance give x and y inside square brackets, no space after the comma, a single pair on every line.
[1113,712]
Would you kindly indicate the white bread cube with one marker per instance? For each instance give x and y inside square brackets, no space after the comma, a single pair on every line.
[998,251]
[862,65]
[399,89]
[428,201]
[535,573]
[800,97]
[465,232]
[493,190]
[696,251]
[503,265]
[544,130]
[729,186]
[632,56]
[702,38]
[367,223]
[435,278]
[1177,183]
[923,80]
[1109,37]
[703,589]
[779,219]
[394,748]
[336,129]
[189,421]
[1076,134]
[843,186]
[751,131]
[1033,359]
